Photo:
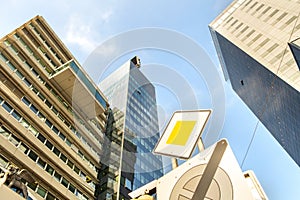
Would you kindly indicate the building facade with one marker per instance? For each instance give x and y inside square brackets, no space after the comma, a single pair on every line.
[257,42]
[51,114]
[131,134]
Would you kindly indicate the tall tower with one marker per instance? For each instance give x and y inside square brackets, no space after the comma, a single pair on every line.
[131,134]
[51,114]
[257,42]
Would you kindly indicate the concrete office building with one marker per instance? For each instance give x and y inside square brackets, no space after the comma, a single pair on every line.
[257,42]
[51,114]
[132,132]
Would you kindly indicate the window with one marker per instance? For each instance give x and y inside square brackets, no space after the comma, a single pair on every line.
[41,116]
[49,145]
[48,103]
[64,182]
[19,74]
[34,109]
[62,136]
[32,186]
[11,66]
[42,97]
[55,129]
[14,140]
[41,163]
[7,107]
[56,151]
[24,148]
[54,110]
[25,80]
[72,188]
[26,101]
[3,161]
[288,22]
[33,130]
[41,191]
[16,115]
[24,123]
[41,138]
[49,169]
[63,157]
[50,196]
[76,169]
[82,175]
[4,131]
[49,124]
[33,156]
[68,142]
[70,164]
[57,176]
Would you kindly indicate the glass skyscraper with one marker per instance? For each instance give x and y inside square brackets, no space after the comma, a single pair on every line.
[257,42]
[131,133]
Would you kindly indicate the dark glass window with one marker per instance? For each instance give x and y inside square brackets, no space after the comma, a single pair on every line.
[41,163]
[26,101]
[48,123]
[56,151]
[57,176]
[32,186]
[55,129]
[49,169]
[34,109]
[25,80]
[70,164]
[64,182]
[76,169]
[63,157]
[62,136]
[50,196]
[16,115]
[72,188]
[49,145]
[41,191]
[7,107]
[24,148]
[41,138]
[48,103]
[33,155]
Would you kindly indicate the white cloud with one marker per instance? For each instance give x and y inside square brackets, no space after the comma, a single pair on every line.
[83,31]
[106,15]
[79,32]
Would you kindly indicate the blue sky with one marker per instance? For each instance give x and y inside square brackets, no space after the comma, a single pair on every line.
[84,25]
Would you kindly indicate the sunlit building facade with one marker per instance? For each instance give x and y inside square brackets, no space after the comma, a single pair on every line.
[51,114]
[131,134]
[257,42]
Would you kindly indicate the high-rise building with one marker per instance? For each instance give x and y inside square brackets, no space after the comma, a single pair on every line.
[257,42]
[131,134]
[51,114]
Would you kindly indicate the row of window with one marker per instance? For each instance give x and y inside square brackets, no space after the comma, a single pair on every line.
[42,97]
[263,43]
[52,38]
[56,95]
[271,13]
[35,110]
[43,139]
[44,165]
[47,44]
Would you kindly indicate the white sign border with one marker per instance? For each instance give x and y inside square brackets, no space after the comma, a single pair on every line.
[188,152]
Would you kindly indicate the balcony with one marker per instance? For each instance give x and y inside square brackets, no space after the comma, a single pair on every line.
[76,86]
